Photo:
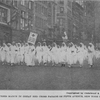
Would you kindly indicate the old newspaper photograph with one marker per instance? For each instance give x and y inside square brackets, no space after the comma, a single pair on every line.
[49,49]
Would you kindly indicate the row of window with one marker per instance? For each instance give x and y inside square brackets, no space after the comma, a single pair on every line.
[26,20]
[50,20]
[80,2]
[3,15]
[25,2]
[39,22]
[15,3]
[61,21]
[26,24]
[40,9]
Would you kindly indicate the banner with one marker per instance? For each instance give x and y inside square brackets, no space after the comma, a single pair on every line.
[32,38]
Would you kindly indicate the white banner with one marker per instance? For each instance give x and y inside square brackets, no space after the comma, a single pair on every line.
[32,38]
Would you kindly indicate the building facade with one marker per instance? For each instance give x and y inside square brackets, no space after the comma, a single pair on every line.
[5,28]
[83,13]
[64,16]
[75,17]
[78,18]
[89,16]
[97,21]
[47,18]
[35,16]
[27,16]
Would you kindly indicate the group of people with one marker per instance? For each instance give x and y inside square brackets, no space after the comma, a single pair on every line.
[53,55]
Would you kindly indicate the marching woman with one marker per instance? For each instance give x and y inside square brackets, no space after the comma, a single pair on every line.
[45,53]
[33,57]
[3,53]
[22,54]
[12,53]
[8,56]
[49,59]
[70,52]
[39,53]
[75,59]
[80,55]
[63,54]
[17,54]
[27,60]
[58,54]
[91,52]
[6,53]
[54,54]
[29,56]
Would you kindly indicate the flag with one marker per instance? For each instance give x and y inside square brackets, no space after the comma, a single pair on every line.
[65,36]
[14,15]
[32,38]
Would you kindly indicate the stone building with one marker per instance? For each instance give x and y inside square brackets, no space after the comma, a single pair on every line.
[5,28]
[29,16]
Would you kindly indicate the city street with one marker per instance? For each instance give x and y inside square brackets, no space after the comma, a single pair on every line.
[35,32]
[49,78]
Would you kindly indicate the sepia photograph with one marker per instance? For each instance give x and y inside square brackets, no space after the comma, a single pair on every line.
[49,44]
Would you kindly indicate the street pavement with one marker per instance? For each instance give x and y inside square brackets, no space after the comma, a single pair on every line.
[49,78]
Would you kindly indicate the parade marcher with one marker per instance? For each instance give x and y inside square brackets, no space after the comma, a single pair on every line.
[3,53]
[32,55]
[8,56]
[45,53]
[39,53]
[62,54]
[55,55]
[27,60]
[90,54]
[49,59]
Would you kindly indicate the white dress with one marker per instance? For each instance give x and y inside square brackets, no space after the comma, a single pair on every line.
[12,54]
[45,54]
[39,54]
[3,54]
[54,55]
[33,58]
[8,55]
[90,56]
[27,56]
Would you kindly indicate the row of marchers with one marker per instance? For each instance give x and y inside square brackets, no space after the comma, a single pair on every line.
[31,55]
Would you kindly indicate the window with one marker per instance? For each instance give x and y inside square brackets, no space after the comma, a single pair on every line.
[45,11]
[23,14]
[61,22]
[23,2]
[61,2]
[22,23]
[69,3]
[38,22]
[36,7]
[69,13]
[30,22]
[61,9]
[24,20]
[30,5]
[69,24]
[3,15]
[8,2]
[4,1]
[15,3]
